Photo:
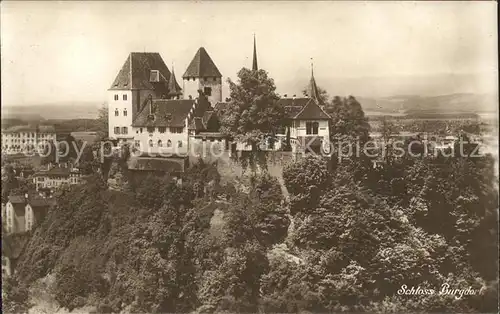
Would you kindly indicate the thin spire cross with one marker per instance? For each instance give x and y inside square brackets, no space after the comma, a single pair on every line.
[254,64]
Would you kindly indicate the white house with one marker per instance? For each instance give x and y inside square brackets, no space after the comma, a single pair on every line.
[308,124]
[54,177]
[22,213]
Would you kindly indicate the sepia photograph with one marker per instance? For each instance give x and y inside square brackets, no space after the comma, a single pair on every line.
[249,157]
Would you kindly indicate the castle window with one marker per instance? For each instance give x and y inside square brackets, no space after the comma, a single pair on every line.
[137,143]
[116,97]
[154,76]
[117,130]
[169,143]
[150,143]
[207,91]
[162,129]
[124,96]
[176,130]
[159,143]
[116,113]
[124,130]
[179,144]
[125,112]
[312,127]
[140,130]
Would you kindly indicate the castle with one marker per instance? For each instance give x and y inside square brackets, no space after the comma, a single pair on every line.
[149,109]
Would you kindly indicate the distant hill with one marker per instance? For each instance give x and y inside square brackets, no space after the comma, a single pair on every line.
[74,110]
[444,104]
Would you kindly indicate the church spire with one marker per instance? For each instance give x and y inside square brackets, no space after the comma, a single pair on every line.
[254,64]
[313,88]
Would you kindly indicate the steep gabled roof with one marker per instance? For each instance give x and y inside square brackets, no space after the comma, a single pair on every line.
[136,72]
[202,66]
[312,111]
[303,109]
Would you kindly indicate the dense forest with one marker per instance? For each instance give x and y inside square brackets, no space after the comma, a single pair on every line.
[346,239]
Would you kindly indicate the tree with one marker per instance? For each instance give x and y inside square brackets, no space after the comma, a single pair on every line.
[323,94]
[387,128]
[348,119]
[305,180]
[102,121]
[253,112]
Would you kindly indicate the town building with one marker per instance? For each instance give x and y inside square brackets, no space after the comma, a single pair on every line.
[23,212]
[26,138]
[307,126]
[55,176]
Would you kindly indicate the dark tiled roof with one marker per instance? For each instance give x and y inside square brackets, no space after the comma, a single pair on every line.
[312,111]
[156,164]
[17,199]
[167,113]
[136,72]
[202,66]
[38,201]
[303,108]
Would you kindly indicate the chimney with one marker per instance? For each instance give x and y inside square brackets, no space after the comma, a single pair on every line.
[150,100]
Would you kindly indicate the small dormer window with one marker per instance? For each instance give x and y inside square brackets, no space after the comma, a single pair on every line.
[154,76]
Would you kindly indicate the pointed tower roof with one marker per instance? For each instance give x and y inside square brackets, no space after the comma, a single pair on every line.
[313,88]
[202,66]
[173,88]
[254,64]
[135,72]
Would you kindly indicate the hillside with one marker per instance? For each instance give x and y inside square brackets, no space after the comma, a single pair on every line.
[412,104]
[69,110]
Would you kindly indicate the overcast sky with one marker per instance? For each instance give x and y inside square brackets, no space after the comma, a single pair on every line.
[71,51]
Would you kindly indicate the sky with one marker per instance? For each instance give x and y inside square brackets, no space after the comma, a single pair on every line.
[71,51]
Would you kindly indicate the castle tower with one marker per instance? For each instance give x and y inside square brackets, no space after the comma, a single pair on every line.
[143,74]
[202,74]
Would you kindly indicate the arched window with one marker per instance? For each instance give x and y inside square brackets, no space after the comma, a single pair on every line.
[169,143]
[159,143]
[179,144]
[150,143]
